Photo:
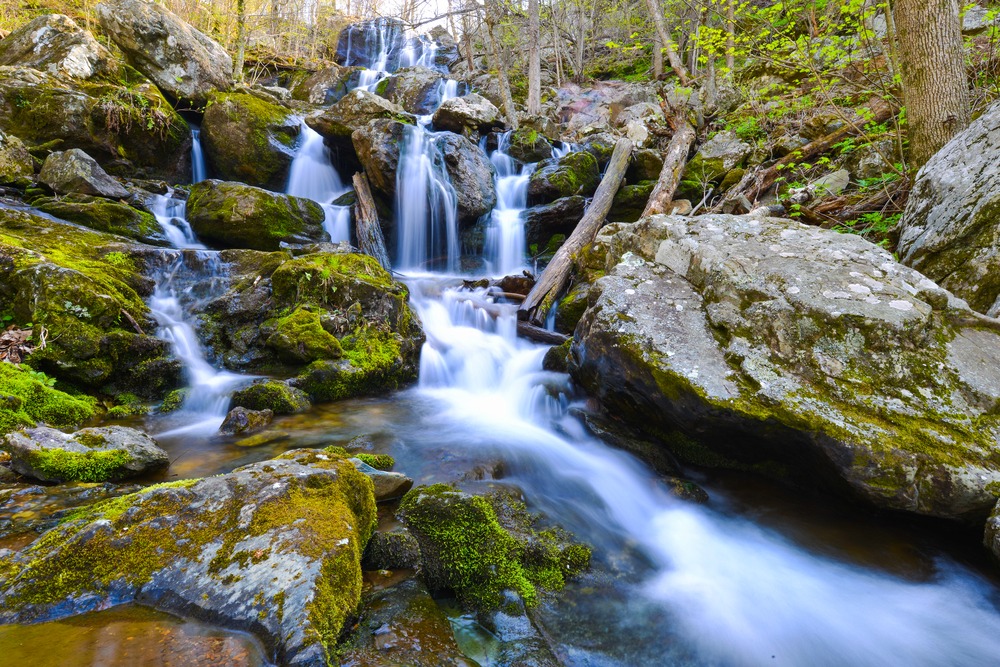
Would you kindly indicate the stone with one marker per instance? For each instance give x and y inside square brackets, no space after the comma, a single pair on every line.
[392,549]
[471,175]
[977,19]
[558,217]
[74,171]
[950,229]
[446,54]
[388,485]
[108,453]
[240,421]
[528,145]
[358,44]
[250,140]
[326,86]
[831,184]
[55,44]
[273,395]
[25,401]
[874,160]
[716,158]
[234,215]
[353,112]
[104,215]
[469,115]
[645,165]
[630,201]
[416,89]
[572,174]
[762,343]
[787,143]
[271,548]
[377,145]
[183,62]
[16,165]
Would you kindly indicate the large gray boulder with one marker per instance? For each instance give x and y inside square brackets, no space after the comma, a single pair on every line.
[950,230]
[717,157]
[184,63]
[469,115]
[377,145]
[471,175]
[272,548]
[75,171]
[326,86]
[573,174]
[353,112]
[766,344]
[234,215]
[55,44]
[103,454]
[416,89]
[16,164]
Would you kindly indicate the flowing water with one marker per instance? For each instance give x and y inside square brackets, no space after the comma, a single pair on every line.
[313,176]
[505,245]
[197,157]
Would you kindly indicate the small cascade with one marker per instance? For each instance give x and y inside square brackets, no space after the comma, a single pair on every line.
[313,176]
[505,244]
[198,173]
[380,55]
[563,149]
[170,213]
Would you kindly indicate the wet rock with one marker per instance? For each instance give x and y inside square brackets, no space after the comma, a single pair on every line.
[761,343]
[240,421]
[520,642]
[55,44]
[388,485]
[521,284]
[528,145]
[353,112]
[392,550]
[272,395]
[271,548]
[716,158]
[630,201]
[558,217]
[90,455]
[16,165]
[377,145]
[359,43]
[470,116]
[416,89]
[471,174]
[183,62]
[104,215]
[250,140]
[645,165]
[573,174]
[326,86]
[74,171]
[233,215]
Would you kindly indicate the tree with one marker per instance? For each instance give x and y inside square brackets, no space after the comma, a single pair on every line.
[534,60]
[661,30]
[241,39]
[932,68]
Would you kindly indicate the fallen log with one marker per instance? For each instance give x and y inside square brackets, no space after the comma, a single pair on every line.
[673,166]
[551,283]
[540,335]
[369,232]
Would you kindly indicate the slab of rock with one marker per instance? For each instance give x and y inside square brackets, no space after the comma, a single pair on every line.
[950,230]
[416,89]
[388,485]
[75,171]
[183,62]
[240,421]
[234,215]
[272,548]
[16,165]
[55,44]
[101,454]
[469,115]
[763,343]
[104,215]
[353,112]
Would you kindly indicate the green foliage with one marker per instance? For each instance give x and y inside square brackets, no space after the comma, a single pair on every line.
[377,461]
[875,226]
[27,397]
[93,466]
[125,108]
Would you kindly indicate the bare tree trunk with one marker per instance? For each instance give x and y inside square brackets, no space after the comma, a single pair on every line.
[467,43]
[673,165]
[367,227]
[535,308]
[657,56]
[580,45]
[534,60]
[241,40]
[494,48]
[731,38]
[555,49]
[935,90]
[661,29]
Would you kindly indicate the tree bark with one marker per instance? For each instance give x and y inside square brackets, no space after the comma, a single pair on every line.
[467,43]
[494,49]
[661,29]
[731,39]
[551,283]
[657,56]
[368,230]
[673,165]
[534,60]
[241,40]
[932,68]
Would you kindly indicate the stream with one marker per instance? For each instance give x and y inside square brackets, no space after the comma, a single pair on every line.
[753,577]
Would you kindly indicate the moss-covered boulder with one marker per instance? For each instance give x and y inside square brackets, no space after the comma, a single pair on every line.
[86,289]
[132,131]
[273,395]
[104,215]
[109,453]
[16,165]
[234,215]
[75,172]
[55,44]
[338,321]
[812,356]
[645,165]
[240,421]
[716,158]
[26,398]
[353,112]
[528,145]
[630,201]
[272,548]
[248,139]
[572,174]
[464,547]
[416,89]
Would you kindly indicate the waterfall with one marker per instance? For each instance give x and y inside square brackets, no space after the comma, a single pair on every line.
[197,157]
[505,245]
[377,59]
[313,176]
[170,213]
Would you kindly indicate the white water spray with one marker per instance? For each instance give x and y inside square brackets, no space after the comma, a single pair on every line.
[197,157]
[505,245]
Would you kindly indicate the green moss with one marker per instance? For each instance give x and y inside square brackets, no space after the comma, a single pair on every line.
[377,461]
[25,400]
[248,138]
[96,466]
[174,400]
[300,338]
[326,278]
[128,405]
[105,216]
[272,395]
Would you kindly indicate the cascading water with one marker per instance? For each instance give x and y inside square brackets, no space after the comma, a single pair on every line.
[505,245]
[198,173]
[313,176]
[170,213]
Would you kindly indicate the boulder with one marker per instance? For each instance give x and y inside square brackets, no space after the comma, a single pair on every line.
[416,89]
[446,53]
[601,146]
[377,145]
[272,548]
[326,86]
[273,395]
[55,44]
[950,230]
[873,160]
[528,145]
[572,174]
[471,175]
[26,400]
[184,63]
[761,343]
[248,139]
[558,217]
[74,171]
[104,215]
[132,131]
[630,201]
[353,112]
[240,421]
[470,116]
[16,165]
[108,453]
[233,215]
[977,19]
[360,43]
[716,158]
[387,485]
[645,165]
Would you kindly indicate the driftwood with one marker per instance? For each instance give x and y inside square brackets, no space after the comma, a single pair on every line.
[540,335]
[367,226]
[673,165]
[765,179]
[550,284]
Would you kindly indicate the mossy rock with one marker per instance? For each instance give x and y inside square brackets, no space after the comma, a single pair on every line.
[573,174]
[249,139]
[630,201]
[26,399]
[377,461]
[353,112]
[272,395]
[527,145]
[285,566]
[234,215]
[16,165]
[299,338]
[104,215]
